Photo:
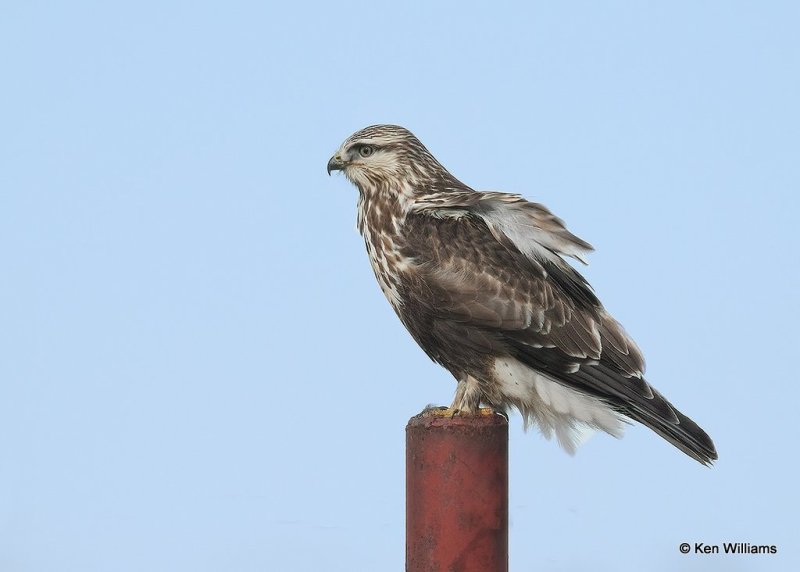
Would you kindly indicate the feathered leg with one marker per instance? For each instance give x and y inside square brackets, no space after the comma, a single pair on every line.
[468,396]
[467,400]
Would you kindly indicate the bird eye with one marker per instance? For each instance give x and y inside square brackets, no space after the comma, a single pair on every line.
[366,150]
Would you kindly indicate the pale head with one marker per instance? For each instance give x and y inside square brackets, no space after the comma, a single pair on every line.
[383,156]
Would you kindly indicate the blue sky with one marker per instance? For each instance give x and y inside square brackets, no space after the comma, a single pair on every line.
[197,368]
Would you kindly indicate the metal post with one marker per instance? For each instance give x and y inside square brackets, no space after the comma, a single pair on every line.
[457,493]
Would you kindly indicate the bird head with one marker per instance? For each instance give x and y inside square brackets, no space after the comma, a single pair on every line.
[383,156]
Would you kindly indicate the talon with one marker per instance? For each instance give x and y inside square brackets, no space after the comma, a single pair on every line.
[446,412]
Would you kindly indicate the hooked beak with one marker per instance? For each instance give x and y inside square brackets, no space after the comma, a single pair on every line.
[335,164]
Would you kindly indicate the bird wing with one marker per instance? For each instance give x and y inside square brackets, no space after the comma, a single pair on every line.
[494,261]
[535,230]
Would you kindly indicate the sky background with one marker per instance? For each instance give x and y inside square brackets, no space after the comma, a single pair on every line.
[197,368]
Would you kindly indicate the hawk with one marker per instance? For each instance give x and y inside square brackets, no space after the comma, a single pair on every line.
[481,282]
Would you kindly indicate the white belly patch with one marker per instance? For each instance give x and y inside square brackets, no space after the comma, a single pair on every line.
[553,407]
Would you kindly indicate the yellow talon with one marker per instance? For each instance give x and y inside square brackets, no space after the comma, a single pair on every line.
[446,412]
[450,412]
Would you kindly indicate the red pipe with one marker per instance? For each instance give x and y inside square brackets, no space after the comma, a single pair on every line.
[457,493]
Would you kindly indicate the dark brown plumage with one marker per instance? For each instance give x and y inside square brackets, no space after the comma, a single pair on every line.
[480,282]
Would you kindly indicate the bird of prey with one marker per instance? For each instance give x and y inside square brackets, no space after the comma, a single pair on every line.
[480,281]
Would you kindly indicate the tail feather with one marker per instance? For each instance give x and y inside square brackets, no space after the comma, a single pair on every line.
[684,434]
[632,397]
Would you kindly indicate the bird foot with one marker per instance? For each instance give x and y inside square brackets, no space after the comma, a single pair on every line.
[450,412]
[437,411]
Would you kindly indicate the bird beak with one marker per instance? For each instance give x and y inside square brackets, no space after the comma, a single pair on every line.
[335,164]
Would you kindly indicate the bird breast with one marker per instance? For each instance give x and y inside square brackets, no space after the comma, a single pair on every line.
[381,228]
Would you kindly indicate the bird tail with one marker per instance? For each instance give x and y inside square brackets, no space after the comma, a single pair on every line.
[681,432]
[633,398]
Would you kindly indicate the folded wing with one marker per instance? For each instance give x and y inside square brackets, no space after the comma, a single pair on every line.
[495,262]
